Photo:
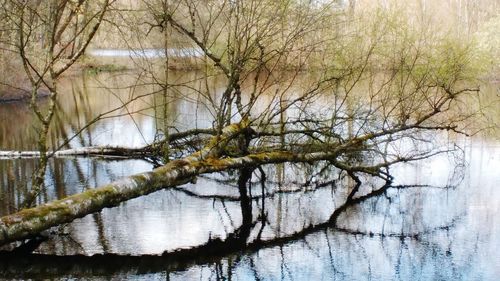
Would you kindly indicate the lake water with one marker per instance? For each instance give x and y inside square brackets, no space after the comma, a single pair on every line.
[147,53]
[439,220]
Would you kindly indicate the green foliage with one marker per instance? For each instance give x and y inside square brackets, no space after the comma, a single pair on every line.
[390,42]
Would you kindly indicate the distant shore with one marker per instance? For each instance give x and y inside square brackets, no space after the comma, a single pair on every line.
[19,95]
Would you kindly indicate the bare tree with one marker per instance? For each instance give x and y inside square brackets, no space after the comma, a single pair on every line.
[50,37]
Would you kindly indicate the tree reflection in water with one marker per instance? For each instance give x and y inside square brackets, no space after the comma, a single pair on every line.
[282,221]
[271,227]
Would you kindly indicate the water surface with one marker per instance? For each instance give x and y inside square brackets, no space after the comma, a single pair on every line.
[438,220]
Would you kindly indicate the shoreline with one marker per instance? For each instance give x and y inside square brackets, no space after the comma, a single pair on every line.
[20,96]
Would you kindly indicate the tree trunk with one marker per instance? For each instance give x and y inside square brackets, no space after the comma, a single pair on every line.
[82,151]
[30,222]
[108,150]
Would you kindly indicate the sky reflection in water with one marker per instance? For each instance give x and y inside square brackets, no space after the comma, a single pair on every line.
[428,232]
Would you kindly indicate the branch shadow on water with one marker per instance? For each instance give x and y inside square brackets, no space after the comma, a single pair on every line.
[243,240]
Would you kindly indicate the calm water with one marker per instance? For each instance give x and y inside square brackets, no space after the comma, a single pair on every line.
[439,221]
[147,53]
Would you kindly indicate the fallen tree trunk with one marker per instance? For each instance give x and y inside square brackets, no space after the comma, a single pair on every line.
[108,151]
[29,222]
[82,151]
